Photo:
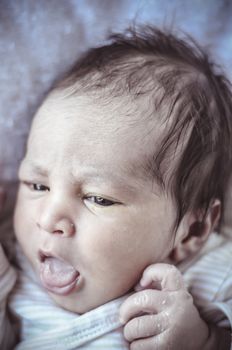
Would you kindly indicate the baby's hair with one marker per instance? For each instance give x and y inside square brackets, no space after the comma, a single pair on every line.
[190,93]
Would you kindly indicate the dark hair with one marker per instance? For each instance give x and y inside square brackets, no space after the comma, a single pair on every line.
[192,95]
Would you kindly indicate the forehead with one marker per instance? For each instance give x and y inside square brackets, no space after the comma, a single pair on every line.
[111,133]
[112,115]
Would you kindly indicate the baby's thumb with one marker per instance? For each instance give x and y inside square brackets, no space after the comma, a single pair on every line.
[162,277]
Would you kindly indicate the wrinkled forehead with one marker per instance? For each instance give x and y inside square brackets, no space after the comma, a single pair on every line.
[101,129]
[107,119]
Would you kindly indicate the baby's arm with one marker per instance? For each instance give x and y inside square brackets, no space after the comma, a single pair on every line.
[7,281]
[163,316]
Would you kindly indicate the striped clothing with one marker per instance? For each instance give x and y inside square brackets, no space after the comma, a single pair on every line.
[47,326]
[209,280]
[7,281]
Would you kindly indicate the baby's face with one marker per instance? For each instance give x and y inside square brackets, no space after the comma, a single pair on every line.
[87,217]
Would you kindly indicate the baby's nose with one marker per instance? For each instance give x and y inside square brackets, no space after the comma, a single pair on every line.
[55,216]
[63,226]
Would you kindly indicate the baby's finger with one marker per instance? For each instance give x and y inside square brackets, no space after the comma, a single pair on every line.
[164,276]
[146,326]
[157,342]
[147,301]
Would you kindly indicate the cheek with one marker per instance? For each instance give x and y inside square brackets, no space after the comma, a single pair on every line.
[135,241]
[19,218]
[118,250]
[22,224]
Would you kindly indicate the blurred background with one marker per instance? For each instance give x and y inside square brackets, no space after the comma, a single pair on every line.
[41,38]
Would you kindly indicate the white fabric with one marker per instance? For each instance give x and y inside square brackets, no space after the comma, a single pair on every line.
[209,278]
[46,326]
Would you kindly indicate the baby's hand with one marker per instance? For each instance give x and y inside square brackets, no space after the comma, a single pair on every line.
[163,315]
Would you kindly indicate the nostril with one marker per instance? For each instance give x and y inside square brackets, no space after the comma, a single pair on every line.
[58,231]
[42,256]
[59,227]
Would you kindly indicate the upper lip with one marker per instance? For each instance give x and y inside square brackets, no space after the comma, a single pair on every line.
[43,255]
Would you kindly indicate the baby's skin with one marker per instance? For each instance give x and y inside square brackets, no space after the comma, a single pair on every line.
[162,315]
[95,224]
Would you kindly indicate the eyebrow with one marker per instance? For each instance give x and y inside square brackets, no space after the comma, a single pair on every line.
[32,167]
[88,173]
[106,176]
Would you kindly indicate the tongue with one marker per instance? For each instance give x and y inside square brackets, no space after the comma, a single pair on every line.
[57,273]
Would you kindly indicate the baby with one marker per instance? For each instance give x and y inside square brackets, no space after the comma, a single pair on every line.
[126,167]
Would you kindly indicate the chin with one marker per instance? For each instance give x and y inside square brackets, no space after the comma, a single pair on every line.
[73,303]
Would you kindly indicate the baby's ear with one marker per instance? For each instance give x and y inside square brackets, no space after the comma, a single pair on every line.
[193,232]
[2,198]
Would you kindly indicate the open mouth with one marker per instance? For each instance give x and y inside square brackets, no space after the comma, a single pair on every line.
[57,275]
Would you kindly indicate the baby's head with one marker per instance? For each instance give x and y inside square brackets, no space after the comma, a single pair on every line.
[126,165]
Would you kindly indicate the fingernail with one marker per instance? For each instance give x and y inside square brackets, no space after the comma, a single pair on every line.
[121,320]
[143,282]
[138,287]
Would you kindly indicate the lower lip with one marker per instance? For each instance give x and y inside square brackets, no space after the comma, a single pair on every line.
[65,290]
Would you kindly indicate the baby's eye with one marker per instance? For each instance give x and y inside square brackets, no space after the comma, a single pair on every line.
[38,187]
[101,201]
